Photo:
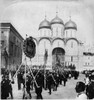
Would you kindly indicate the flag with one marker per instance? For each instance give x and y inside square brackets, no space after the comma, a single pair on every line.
[45,56]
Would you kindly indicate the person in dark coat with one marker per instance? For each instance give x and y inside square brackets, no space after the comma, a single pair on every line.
[64,78]
[27,87]
[55,81]
[4,92]
[60,79]
[90,90]
[76,74]
[6,88]
[20,79]
[49,82]
[39,82]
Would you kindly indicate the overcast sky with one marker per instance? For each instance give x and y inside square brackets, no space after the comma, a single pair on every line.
[26,15]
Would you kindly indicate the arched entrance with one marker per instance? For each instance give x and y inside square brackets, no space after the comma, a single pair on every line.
[58,57]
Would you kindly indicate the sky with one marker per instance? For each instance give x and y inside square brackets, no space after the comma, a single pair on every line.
[26,15]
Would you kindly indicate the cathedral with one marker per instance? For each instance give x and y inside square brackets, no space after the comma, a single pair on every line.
[60,41]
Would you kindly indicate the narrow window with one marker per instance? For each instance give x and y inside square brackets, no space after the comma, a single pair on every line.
[71,33]
[71,58]
[66,33]
[57,31]
[71,44]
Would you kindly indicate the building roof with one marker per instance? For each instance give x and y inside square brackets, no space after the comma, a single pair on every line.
[57,20]
[11,27]
[45,24]
[70,25]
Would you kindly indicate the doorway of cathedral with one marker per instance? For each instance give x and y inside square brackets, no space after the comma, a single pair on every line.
[58,57]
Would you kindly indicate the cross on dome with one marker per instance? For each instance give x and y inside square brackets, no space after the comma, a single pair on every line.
[45,15]
[45,23]
[70,24]
[57,11]
[70,17]
[57,20]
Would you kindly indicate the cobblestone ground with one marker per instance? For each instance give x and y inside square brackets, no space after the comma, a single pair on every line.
[67,92]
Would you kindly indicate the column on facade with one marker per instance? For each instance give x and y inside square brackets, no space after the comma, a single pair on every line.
[51,56]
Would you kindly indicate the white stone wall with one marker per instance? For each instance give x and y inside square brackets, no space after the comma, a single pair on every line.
[57,30]
[45,32]
[58,43]
[70,33]
[44,44]
[5,44]
[72,47]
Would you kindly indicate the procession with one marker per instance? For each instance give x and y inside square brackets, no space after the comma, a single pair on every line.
[35,79]
[28,79]
[47,49]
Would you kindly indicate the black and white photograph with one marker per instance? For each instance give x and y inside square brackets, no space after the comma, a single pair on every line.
[47,49]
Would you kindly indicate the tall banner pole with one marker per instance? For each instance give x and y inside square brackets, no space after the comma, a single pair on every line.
[25,74]
[29,49]
[45,62]
[44,76]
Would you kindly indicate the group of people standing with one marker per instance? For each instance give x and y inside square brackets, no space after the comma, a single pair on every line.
[41,80]
[49,80]
[37,79]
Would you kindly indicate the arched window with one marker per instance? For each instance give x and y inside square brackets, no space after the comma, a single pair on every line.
[44,32]
[61,31]
[54,31]
[40,33]
[72,44]
[71,33]
[57,31]
[66,33]
[71,58]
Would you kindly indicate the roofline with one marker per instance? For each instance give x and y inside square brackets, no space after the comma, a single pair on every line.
[57,23]
[11,27]
[49,27]
[70,28]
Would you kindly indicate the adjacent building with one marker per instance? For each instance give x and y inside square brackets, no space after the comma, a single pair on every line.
[11,44]
[88,56]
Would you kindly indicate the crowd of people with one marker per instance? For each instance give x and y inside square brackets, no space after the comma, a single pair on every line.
[45,79]
[85,89]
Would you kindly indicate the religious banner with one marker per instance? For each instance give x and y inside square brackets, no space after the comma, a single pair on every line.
[29,47]
[45,56]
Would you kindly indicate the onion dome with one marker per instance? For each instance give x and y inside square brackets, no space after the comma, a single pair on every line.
[45,24]
[70,25]
[57,20]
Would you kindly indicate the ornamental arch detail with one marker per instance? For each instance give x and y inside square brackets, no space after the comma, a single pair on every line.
[43,45]
[58,43]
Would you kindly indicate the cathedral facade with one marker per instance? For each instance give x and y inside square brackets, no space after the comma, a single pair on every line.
[60,41]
